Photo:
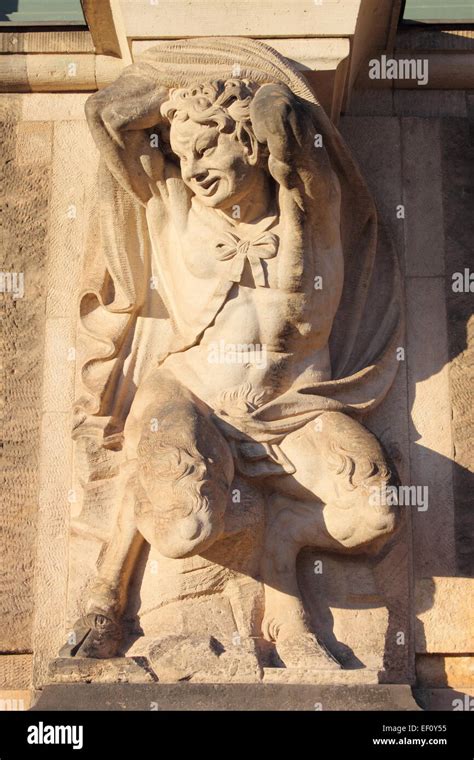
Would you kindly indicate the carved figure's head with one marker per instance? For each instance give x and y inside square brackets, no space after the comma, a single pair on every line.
[212,135]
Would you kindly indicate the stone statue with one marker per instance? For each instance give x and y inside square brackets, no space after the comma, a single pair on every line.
[241,318]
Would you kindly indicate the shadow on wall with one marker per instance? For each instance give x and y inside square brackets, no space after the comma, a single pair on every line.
[463,550]
[367,585]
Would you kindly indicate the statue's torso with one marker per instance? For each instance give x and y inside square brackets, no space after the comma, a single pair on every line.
[251,343]
[260,340]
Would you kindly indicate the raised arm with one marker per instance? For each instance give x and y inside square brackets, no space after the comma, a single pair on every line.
[284,122]
[309,193]
[128,129]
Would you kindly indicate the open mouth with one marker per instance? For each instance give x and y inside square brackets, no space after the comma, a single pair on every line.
[209,186]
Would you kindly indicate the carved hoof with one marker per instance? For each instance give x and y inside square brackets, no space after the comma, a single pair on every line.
[103,640]
[303,650]
[80,630]
[93,636]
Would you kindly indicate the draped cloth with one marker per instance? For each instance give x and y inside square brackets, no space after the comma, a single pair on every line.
[126,325]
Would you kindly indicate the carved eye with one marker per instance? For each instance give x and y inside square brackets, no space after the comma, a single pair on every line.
[207,144]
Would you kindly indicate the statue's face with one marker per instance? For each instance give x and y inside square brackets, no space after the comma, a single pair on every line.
[214,165]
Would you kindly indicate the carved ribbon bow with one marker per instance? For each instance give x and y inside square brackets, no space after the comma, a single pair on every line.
[264,246]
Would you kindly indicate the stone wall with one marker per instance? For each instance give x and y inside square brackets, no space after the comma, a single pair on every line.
[47,162]
[414,150]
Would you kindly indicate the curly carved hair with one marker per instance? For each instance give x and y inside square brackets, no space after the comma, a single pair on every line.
[223,103]
[355,454]
[189,474]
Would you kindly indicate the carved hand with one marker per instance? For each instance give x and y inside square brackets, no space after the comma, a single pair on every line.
[281,120]
[132,102]
[118,117]
[277,123]
[274,118]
